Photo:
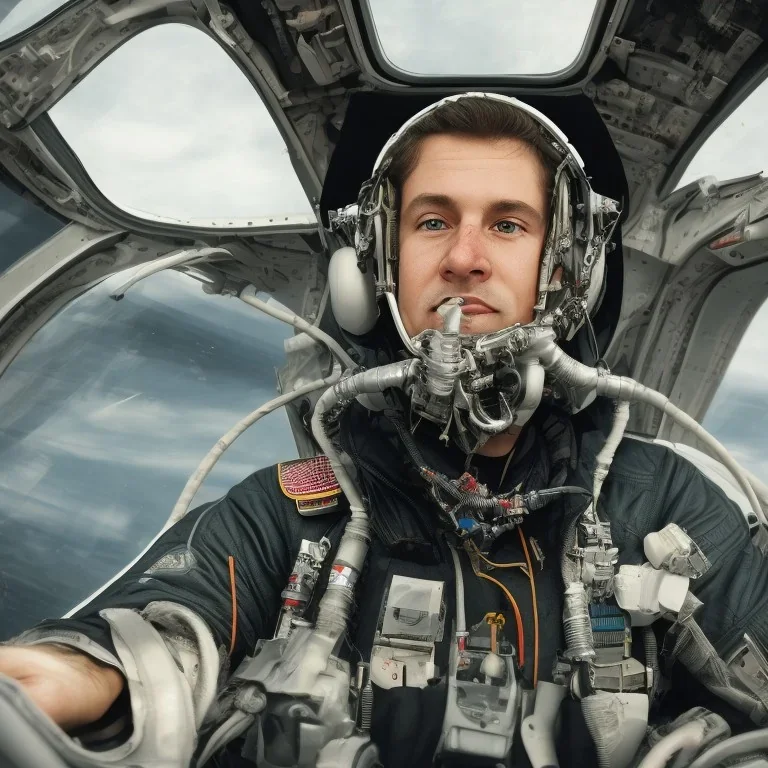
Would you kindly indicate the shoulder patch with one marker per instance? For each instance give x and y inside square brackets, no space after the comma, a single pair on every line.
[311,483]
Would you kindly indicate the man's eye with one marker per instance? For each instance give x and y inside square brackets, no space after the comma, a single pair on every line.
[508,227]
[432,225]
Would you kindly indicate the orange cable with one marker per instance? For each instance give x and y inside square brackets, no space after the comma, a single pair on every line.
[535,609]
[233,590]
[518,617]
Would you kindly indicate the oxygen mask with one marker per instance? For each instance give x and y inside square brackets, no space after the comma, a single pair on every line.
[477,386]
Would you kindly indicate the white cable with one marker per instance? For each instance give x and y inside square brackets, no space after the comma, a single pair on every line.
[336,603]
[235,725]
[623,388]
[759,487]
[720,452]
[248,295]
[735,747]
[688,736]
[375,380]
[323,302]
[461,619]
[581,377]
[207,464]
[605,457]
[328,400]
[395,312]
[167,262]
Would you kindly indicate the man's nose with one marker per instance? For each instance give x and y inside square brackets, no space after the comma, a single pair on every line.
[465,257]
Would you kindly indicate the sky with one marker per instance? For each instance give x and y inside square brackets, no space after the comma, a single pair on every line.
[442,37]
[737,147]
[106,412]
[168,126]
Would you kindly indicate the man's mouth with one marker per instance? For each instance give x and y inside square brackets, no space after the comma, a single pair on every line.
[472,306]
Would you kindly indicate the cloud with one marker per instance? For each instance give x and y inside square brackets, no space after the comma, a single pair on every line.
[104,415]
[142,432]
[748,369]
[738,414]
[23,14]
[484,36]
[737,146]
[143,387]
[168,125]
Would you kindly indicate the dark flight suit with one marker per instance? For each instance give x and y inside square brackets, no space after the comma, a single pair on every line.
[256,523]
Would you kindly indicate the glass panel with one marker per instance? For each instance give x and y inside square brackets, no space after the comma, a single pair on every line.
[15,17]
[737,147]
[168,128]
[484,37]
[23,226]
[738,414]
[104,415]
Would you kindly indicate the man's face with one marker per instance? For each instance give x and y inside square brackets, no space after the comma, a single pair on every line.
[473,222]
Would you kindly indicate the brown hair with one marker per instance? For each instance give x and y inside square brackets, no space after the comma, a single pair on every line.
[473,117]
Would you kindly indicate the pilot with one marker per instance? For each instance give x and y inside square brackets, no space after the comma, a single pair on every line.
[478,214]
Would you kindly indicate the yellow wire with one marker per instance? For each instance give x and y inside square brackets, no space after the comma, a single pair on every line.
[496,565]
[527,569]
[518,617]
[535,609]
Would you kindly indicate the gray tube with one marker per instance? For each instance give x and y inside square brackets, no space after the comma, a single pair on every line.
[736,746]
[461,617]
[601,715]
[566,369]
[651,656]
[626,389]
[687,737]
[336,603]
[235,725]
[21,745]
[175,259]
[579,641]
[248,295]
[575,374]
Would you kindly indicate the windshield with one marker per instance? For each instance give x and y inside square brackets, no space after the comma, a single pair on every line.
[483,37]
[105,414]
[738,414]
[737,147]
[15,17]
[169,129]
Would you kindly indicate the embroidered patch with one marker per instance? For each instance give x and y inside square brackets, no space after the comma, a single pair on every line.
[179,559]
[310,483]
[315,506]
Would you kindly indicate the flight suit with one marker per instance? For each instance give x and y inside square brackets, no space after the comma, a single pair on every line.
[259,528]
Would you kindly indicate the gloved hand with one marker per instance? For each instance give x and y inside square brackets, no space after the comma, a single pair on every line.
[69,686]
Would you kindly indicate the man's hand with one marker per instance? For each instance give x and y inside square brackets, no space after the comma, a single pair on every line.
[70,687]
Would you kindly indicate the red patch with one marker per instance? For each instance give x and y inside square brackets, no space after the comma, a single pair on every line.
[308,479]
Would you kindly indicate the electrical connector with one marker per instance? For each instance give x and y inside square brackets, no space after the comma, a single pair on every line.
[675,551]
